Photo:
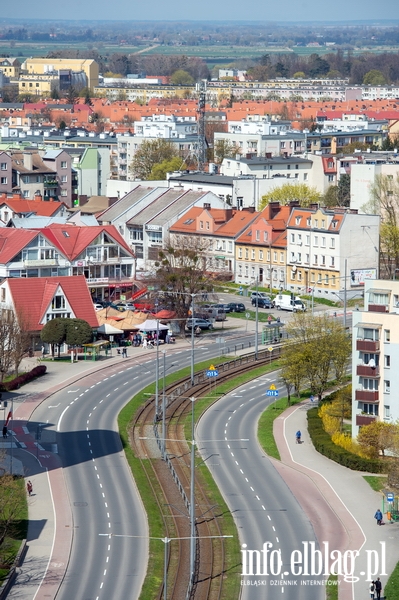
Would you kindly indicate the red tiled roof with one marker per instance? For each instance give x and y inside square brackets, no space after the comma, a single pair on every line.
[12,241]
[38,207]
[32,297]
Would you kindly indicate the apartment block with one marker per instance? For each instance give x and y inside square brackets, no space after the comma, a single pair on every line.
[375,356]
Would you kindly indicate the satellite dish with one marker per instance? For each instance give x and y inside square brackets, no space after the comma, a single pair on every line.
[294,269]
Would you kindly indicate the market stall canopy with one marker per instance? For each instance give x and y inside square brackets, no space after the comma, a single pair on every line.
[108,329]
[165,315]
[152,325]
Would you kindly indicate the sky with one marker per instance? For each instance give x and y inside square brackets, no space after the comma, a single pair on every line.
[206,10]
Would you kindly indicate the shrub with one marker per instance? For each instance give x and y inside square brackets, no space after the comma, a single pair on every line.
[324,444]
[16,383]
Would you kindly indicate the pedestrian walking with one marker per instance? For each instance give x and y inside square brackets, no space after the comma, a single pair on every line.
[29,488]
[378,516]
[5,431]
[371,590]
[43,351]
[145,343]
[378,588]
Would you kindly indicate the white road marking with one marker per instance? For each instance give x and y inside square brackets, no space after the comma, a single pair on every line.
[86,390]
[98,476]
[101,401]
[263,507]
[246,479]
[237,463]
[116,389]
[277,540]
[268,517]
[135,377]
[252,489]
[89,416]
[274,529]
[106,379]
[92,386]
[108,395]
[113,375]
[232,454]
[242,471]
[60,419]
[126,383]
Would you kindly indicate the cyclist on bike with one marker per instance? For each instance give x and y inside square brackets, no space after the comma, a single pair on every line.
[298,437]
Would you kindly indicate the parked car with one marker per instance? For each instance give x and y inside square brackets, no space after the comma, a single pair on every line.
[201,323]
[262,302]
[285,302]
[98,306]
[259,295]
[126,306]
[225,307]
[238,307]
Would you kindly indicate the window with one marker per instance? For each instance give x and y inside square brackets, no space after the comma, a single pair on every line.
[260,254]
[308,240]
[331,178]
[155,237]
[370,409]
[315,259]
[316,240]
[63,164]
[308,222]
[281,257]
[376,298]
[201,224]
[58,302]
[332,261]
[275,256]
[387,386]
[367,333]
[327,280]
[257,235]
[387,412]
[298,220]
[3,294]
[253,254]
[268,256]
[64,192]
[333,281]
[3,180]
[207,225]
[48,254]
[307,258]
[332,243]
[239,252]
[305,176]
[323,242]
[230,246]
[312,277]
[3,166]
[323,260]
[316,222]
[387,335]
[265,236]
[246,253]
[64,178]
[293,238]
[387,361]
[299,257]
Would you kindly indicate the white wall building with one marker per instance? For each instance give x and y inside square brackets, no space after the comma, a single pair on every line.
[375,356]
[363,177]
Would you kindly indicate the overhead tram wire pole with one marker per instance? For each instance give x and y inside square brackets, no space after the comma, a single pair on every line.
[157,368]
[256,322]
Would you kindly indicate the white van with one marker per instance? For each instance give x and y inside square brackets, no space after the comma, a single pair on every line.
[284,302]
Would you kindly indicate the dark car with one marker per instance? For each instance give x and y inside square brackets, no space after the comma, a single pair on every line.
[201,323]
[225,307]
[237,307]
[262,302]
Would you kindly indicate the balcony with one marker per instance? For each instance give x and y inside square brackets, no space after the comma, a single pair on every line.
[50,183]
[367,346]
[380,308]
[364,419]
[366,396]
[366,371]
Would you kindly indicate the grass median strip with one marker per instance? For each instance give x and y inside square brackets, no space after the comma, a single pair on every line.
[232,568]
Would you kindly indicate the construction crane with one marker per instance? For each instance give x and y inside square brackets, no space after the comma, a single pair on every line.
[201,150]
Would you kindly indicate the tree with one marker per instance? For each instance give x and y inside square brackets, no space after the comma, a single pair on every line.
[341,407]
[384,201]
[54,93]
[181,270]
[318,349]
[374,77]
[88,100]
[181,77]
[290,192]
[71,95]
[330,198]
[74,332]
[225,149]
[344,190]
[150,153]
[160,170]
[14,341]
[378,437]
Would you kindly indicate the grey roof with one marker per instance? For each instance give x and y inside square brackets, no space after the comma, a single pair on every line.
[124,204]
[52,154]
[164,201]
[35,222]
[205,178]
[274,160]
[6,105]
[177,207]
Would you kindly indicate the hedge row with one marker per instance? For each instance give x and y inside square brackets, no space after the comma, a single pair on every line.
[16,383]
[324,444]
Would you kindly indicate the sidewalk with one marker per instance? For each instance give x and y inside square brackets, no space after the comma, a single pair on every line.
[50,519]
[338,501]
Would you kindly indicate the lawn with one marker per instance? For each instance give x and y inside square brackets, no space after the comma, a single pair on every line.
[392,586]
[11,545]
[376,482]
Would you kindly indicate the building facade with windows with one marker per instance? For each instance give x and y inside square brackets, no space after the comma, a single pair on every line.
[325,247]
[375,356]
[261,249]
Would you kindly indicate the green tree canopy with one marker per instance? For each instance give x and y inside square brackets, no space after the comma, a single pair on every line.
[159,171]
[290,192]
[378,437]
[150,153]
[225,149]
[374,77]
[317,349]
[72,331]
[181,77]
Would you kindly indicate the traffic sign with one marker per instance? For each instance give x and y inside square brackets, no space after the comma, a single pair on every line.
[390,497]
[247,315]
[272,391]
[270,348]
[212,371]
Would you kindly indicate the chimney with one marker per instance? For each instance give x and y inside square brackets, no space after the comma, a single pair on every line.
[314,206]
[250,209]
[37,197]
[27,158]
[228,214]
[268,155]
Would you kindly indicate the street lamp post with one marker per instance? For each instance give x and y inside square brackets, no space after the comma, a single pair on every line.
[256,321]
[157,367]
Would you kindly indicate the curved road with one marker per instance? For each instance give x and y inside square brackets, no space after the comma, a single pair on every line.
[264,508]
[101,489]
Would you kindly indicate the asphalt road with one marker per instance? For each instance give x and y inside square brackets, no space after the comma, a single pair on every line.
[264,508]
[101,489]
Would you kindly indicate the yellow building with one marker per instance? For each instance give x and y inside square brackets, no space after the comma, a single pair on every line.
[41,66]
[40,85]
[11,67]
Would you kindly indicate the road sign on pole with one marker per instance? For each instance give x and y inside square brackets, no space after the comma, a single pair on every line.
[212,372]
[272,391]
